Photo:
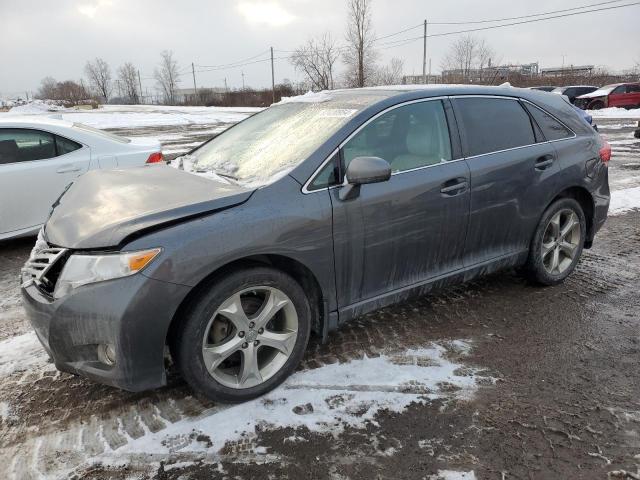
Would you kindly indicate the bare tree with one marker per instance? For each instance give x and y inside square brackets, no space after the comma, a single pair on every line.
[47,90]
[466,55]
[316,59]
[99,75]
[67,92]
[128,76]
[360,55]
[390,74]
[167,76]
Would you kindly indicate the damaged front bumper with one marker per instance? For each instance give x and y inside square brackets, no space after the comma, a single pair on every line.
[130,315]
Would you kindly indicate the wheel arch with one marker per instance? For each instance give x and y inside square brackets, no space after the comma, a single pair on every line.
[296,269]
[585,199]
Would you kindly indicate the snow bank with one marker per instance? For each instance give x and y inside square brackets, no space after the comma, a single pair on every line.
[453,475]
[624,200]
[324,399]
[34,108]
[21,353]
[127,116]
[615,112]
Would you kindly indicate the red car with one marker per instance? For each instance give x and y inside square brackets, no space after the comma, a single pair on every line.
[623,95]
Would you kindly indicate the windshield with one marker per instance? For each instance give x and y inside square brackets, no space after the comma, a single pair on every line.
[269,144]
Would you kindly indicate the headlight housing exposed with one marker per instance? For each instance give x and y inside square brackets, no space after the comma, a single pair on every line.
[82,269]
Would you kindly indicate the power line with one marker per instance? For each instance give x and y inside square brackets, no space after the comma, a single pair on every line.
[236,62]
[473,22]
[405,41]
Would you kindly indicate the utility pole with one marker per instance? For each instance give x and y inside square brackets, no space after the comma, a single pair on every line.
[424,54]
[140,88]
[195,88]
[273,81]
[242,73]
[226,89]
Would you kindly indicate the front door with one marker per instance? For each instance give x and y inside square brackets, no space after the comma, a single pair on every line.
[401,232]
[35,168]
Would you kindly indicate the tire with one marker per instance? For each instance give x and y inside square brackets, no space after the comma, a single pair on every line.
[212,326]
[596,105]
[548,250]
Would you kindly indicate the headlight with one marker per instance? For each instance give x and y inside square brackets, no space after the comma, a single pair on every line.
[82,269]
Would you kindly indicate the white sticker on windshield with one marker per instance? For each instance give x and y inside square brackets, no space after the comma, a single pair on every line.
[337,112]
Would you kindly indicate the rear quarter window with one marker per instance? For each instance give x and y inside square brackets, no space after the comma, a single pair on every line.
[493,124]
[551,128]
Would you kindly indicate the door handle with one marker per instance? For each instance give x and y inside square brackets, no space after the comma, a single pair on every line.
[544,162]
[454,186]
[68,169]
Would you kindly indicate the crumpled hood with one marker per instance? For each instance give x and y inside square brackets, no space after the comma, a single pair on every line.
[103,207]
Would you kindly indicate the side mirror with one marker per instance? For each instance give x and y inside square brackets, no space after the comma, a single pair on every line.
[363,170]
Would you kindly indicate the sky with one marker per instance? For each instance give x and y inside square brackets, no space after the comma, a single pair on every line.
[55,38]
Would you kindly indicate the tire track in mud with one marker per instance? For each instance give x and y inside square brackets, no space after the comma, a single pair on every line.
[54,420]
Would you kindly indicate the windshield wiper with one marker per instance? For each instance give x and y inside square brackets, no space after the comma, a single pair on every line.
[226,175]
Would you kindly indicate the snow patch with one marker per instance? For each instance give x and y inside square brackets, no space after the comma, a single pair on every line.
[324,399]
[20,353]
[453,475]
[624,200]
[615,112]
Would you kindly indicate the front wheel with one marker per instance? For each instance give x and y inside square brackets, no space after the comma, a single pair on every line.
[244,335]
[557,243]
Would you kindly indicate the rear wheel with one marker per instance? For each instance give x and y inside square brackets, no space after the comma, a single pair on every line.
[244,335]
[557,243]
[596,105]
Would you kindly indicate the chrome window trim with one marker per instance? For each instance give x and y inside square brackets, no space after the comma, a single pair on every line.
[305,189]
[521,146]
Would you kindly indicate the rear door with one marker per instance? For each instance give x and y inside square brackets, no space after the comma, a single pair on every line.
[512,171]
[618,97]
[633,94]
[412,227]
[35,168]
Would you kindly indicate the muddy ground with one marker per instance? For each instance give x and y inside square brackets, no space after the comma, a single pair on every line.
[564,402]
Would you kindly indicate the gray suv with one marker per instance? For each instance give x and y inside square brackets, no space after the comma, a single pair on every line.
[302,217]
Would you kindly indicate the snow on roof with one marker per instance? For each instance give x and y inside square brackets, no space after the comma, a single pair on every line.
[309,97]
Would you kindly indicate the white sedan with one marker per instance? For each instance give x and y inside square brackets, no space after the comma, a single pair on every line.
[40,157]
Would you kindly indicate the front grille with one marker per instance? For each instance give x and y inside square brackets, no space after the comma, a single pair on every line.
[44,265]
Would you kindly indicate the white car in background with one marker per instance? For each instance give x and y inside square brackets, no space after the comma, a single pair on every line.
[40,157]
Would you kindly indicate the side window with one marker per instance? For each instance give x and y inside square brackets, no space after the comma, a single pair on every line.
[410,136]
[551,128]
[23,145]
[327,177]
[633,88]
[618,90]
[494,124]
[64,145]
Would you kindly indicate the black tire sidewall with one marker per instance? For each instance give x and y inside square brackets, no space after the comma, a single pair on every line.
[534,267]
[188,345]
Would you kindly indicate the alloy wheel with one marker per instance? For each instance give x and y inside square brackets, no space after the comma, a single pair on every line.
[250,337]
[561,241]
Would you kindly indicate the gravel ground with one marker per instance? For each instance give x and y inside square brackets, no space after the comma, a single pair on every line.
[556,388]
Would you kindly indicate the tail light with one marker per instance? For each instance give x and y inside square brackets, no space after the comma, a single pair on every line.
[155,157]
[605,152]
